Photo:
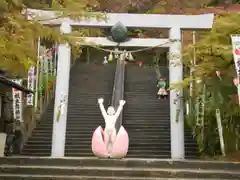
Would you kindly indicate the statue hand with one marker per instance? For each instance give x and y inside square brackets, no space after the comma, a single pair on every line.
[122,102]
[100,100]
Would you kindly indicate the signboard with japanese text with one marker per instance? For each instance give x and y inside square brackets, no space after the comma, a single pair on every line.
[236,57]
[236,51]
[31,77]
[17,102]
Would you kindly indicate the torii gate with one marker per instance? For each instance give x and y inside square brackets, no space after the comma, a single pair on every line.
[175,23]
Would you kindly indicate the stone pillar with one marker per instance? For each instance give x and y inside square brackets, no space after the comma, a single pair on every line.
[61,96]
[176,104]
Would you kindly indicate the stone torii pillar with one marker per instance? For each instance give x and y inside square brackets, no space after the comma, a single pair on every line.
[61,95]
[176,103]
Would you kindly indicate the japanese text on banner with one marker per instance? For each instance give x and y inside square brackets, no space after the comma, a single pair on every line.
[31,77]
[236,56]
[236,52]
[17,102]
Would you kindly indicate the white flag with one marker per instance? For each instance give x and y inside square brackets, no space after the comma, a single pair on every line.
[236,51]
[17,102]
[236,56]
[31,77]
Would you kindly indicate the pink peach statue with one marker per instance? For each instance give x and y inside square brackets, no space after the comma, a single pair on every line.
[108,143]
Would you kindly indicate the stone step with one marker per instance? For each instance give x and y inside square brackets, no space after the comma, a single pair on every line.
[148,98]
[126,162]
[142,106]
[89,125]
[77,133]
[129,123]
[81,114]
[139,118]
[151,112]
[163,155]
[120,171]
[58,177]
[83,98]
[86,151]
[93,125]
[85,146]
[88,138]
[71,149]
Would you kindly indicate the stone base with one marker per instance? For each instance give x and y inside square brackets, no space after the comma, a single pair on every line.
[108,169]
[2,143]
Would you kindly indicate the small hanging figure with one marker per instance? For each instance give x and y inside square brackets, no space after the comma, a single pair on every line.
[162,92]
[130,57]
[122,57]
[110,118]
[125,54]
[110,57]
[105,60]
[116,53]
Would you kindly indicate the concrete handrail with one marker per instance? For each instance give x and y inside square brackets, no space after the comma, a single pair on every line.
[118,88]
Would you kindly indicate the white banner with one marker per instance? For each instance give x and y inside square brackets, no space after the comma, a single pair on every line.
[45,65]
[31,77]
[236,51]
[17,102]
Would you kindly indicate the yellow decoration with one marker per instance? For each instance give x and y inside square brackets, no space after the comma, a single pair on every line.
[130,57]
[110,57]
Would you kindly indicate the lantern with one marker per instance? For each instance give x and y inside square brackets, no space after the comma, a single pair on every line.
[119,32]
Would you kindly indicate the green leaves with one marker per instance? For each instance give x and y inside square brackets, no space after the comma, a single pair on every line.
[214,49]
[18,35]
[214,53]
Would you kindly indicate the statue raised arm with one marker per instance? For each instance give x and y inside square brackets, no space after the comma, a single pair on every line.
[101,106]
[119,110]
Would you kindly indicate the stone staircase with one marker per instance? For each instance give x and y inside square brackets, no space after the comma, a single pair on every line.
[34,168]
[87,84]
[147,119]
